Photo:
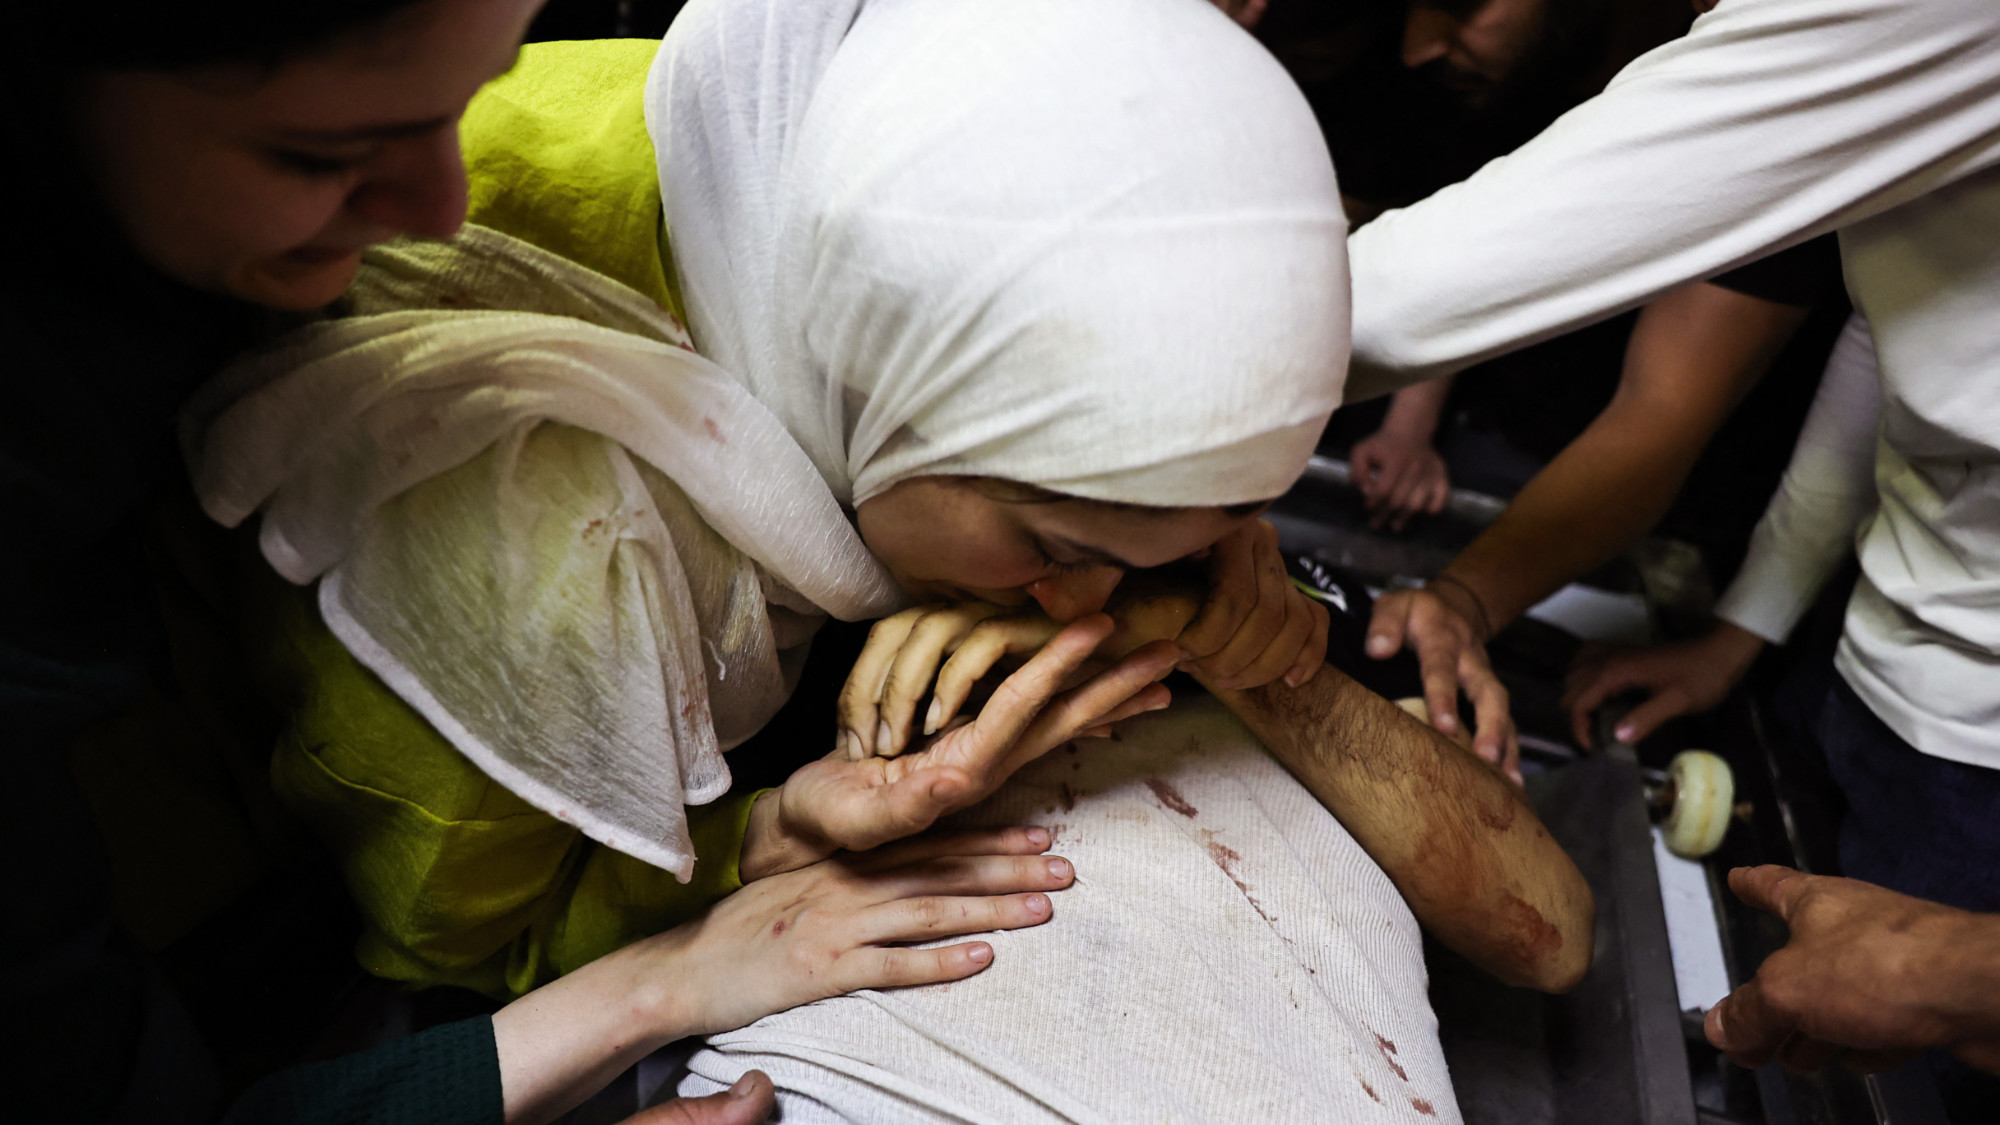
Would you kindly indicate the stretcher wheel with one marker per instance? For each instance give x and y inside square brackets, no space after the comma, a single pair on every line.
[1416,706]
[1704,798]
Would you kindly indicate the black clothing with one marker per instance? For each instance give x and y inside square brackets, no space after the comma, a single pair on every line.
[101,351]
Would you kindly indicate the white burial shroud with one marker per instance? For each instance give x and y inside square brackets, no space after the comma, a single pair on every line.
[1227,954]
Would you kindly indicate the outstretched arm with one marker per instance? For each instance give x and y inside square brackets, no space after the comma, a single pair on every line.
[1767,124]
[1693,355]
[1458,840]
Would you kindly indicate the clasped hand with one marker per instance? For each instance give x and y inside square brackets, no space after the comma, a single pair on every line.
[883,781]
[839,802]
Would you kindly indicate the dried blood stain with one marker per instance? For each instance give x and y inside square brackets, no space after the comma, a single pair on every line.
[714,431]
[1224,855]
[1367,1089]
[1498,820]
[1171,797]
[1068,798]
[1423,1107]
[1388,1049]
[1531,939]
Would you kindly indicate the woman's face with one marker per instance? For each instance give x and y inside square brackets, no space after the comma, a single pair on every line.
[952,538]
[267,184]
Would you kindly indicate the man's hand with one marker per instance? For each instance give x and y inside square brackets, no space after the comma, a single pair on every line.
[1682,677]
[1255,627]
[838,802]
[1870,975]
[1400,475]
[1441,622]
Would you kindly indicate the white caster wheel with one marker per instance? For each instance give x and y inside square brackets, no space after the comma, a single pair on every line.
[1417,708]
[1704,798]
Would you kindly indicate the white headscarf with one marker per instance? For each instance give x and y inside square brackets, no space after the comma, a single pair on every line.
[1090,245]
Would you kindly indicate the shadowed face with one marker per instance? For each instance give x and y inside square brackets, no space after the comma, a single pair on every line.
[266,183]
[952,538]
[1472,47]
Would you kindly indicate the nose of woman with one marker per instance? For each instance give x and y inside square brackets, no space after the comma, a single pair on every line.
[1075,593]
[418,188]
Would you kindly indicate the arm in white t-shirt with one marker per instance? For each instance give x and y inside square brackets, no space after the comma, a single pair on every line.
[1770,122]
[1827,491]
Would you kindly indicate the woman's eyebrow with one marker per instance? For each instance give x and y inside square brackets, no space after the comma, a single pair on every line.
[389,132]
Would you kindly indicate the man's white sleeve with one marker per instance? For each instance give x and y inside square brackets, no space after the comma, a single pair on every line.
[1828,489]
[1772,121]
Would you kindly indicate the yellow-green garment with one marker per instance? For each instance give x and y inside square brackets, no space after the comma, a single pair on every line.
[458,880]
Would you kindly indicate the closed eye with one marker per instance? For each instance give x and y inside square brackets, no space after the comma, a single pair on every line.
[1078,566]
[313,164]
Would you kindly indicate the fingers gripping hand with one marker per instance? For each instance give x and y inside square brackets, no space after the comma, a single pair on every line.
[989,642]
[1030,714]
[1255,626]
[894,671]
[839,925]
[837,802]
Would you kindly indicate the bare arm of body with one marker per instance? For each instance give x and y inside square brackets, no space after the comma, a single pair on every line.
[1458,840]
[1693,355]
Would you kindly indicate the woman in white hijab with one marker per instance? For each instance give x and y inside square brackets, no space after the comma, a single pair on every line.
[992,298]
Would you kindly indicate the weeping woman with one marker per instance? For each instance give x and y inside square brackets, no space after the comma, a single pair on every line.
[905,299]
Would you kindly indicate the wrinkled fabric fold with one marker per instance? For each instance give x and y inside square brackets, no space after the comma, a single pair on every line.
[582,552]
